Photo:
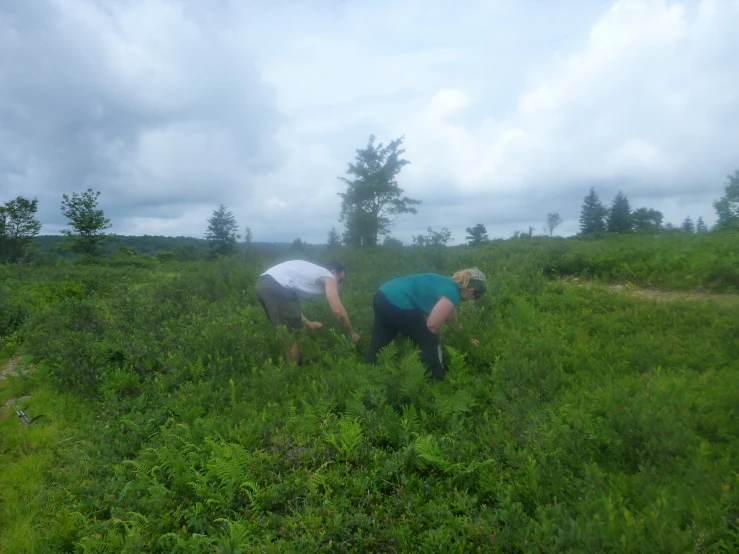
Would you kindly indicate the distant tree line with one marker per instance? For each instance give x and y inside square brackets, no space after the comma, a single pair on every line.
[620,218]
[372,203]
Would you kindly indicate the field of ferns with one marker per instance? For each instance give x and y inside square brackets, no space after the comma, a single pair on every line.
[587,420]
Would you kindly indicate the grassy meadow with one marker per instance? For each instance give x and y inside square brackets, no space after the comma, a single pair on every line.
[586,421]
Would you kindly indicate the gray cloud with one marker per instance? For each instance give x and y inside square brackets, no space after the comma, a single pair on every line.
[510,109]
[140,101]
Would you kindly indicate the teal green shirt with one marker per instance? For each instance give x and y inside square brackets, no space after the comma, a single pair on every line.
[421,291]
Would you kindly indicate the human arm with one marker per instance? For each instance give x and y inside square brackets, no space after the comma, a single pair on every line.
[453,322]
[455,325]
[332,295]
[442,311]
[311,324]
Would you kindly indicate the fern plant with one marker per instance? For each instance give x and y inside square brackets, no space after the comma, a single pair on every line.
[347,439]
[197,370]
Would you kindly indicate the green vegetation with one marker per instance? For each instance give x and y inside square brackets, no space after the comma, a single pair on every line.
[586,421]
[87,222]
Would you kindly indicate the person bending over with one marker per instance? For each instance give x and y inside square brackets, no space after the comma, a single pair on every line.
[417,306]
[281,288]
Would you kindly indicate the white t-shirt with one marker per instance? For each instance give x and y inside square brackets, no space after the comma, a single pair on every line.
[299,276]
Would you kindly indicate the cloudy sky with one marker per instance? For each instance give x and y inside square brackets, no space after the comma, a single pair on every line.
[510,108]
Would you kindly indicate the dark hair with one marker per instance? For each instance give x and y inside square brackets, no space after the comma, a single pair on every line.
[333,265]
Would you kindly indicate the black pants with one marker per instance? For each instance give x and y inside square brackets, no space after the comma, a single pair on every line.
[391,321]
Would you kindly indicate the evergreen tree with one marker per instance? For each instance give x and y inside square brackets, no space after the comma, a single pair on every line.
[727,207]
[687,225]
[592,214]
[334,239]
[700,226]
[619,216]
[221,232]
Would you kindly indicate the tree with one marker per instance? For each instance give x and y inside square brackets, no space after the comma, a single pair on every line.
[392,242]
[553,221]
[333,239]
[18,226]
[477,234]
[592,214]
[298,244]
[619,216]
[727,207]
[87,222]
[670,228]
[372,201]
[687,225]
[700,226]
[248,237]
[221,233]
[647,220]
[434,238]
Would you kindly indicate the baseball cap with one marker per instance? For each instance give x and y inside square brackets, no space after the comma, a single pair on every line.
[478,282]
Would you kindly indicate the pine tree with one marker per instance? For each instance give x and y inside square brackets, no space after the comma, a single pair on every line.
[619,216]
[334,239]
[592,214]
[222,232]
[687,225]
[700,226]
[727,207]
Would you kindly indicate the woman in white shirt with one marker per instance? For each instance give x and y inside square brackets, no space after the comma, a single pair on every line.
[281,288]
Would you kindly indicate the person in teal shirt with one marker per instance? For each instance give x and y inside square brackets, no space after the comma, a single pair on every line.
[417,306]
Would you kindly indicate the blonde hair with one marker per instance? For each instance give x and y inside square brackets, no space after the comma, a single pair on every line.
[462,278]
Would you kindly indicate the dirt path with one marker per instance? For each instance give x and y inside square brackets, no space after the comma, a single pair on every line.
[9,368]
[658,295]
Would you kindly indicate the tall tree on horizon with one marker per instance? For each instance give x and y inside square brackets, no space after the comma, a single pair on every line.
[373,201]
[334,239]
[687,225]
[727,207]
[553,221]
[221,233]
[647,220]
[477,234]
[592,214]
[700,226]
[87,221]
[18,226]
[619,216]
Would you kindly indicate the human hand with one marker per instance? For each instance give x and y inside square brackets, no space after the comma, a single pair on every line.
[314,324]
[355,337]
[476,342]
